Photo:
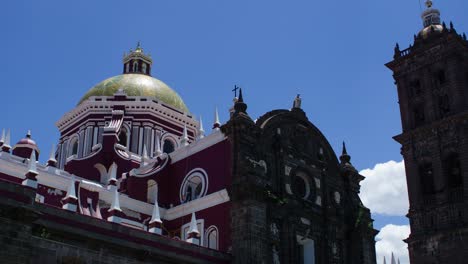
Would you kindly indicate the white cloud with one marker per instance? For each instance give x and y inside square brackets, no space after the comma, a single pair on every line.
[384,189]
[390,239]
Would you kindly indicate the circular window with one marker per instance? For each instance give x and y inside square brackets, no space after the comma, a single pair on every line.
[194,185]
[301,185]
[168,146]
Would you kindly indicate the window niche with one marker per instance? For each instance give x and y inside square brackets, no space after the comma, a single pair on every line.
[444,104]
[73,147]
[194,186]
[441,77]
[427,178]
[452,170]
[212,237]
[415,88]
[123,137]
[151,193]
[301,185]
[418,115]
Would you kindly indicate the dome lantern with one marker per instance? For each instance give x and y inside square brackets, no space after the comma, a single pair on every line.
[136,61]
[430,16]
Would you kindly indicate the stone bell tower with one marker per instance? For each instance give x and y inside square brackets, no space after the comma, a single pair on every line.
[432,82]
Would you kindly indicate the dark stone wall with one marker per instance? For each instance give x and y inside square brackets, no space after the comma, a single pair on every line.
[284,179]
[36,233]
[432,79]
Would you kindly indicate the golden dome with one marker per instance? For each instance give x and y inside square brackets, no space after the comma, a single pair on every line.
[138,85]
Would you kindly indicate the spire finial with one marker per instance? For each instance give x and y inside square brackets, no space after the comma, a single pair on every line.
[216,123]
[344,152]
[158,146]
[193,225]
[297,101]
[184,139]
[6,144]
[154,225]
[240,106]
[144,157]
[115,206]
[28,135]
[393,259]
[241,98]
[384,260]
[70,201]
[32,162]
[52,162]
[2,139]
[156,216]
[112,182]
[345,158]
[201,131]
[71,188]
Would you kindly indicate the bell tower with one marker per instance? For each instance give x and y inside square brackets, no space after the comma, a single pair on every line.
[432,83]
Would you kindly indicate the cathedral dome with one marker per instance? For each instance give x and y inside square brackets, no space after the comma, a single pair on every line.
[25,146]
[136,84]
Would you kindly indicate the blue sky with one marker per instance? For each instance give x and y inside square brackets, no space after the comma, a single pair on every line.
[331,52]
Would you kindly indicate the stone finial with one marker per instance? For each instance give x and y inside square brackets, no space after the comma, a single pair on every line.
[240,106]
[112,182]
[144,157]
[201,131]
[216,124]
[193,234]
[115,206]
[2,139]
[397,51]
[6,144]
[115,213]
[184,139]
[32,163]
[158,151]
[52,162]
[31,180]
[345,158]
[297,101]
[155,223]
[70,201]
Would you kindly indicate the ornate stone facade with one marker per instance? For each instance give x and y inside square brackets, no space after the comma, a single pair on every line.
[432,82]
[133,167]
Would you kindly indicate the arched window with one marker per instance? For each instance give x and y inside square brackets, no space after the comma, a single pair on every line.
[301,185]
[212,237]
[123,137]
[151,191]
[168,146]
[143,68]
[73,146]
[127,67]
[195,185]
[135,66]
